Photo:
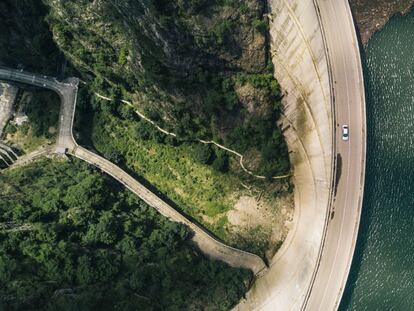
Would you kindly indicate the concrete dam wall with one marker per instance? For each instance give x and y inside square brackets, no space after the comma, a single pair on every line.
[301,67]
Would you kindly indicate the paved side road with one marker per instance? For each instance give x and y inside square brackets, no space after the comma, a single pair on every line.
[67,91]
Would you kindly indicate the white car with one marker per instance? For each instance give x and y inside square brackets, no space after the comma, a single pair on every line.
[345,132]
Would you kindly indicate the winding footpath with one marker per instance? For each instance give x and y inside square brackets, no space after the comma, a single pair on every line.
[206,142]
[67,91]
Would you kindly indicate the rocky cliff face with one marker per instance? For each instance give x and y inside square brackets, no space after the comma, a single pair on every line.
[200,68]
[165,38]
[25,38]
[372,15]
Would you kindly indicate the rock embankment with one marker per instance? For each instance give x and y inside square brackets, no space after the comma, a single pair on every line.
[7,96]
[372,15]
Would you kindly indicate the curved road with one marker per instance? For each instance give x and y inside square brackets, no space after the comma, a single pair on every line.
[67,91]
[349,101]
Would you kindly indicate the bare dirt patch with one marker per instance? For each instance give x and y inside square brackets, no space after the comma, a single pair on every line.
[261,221]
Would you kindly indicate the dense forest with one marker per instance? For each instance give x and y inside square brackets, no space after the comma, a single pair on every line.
[72,239]
[26,40]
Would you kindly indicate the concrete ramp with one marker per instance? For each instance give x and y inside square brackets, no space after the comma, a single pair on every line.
[6,155]
[2,160]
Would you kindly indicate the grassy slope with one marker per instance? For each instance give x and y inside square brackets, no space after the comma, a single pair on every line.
[197,189]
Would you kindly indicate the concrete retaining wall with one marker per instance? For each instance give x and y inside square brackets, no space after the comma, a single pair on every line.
[8,94]
[301,67]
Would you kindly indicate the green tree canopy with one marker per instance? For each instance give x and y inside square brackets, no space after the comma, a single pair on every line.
[70,239]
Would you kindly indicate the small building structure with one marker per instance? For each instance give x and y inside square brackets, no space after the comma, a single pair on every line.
[61,150]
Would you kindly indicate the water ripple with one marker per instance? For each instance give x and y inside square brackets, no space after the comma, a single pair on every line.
[382,273]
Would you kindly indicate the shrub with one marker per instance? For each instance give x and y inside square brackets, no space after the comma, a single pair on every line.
[10,129]
[158,137]
[214,208]
[172,141]
[203,153]
[244,9]
[270,151]
[127,112]
[143,130]
[260,25]
[122,57]
[114,156]
[109,106]
[24,128]
[221,162]
[221,31]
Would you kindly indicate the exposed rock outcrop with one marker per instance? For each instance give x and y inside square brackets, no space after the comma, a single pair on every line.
[7,97]
[372,15]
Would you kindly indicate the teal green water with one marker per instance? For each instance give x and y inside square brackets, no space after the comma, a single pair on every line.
[382,273]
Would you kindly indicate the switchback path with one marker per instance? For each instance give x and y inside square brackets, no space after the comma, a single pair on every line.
[67,91]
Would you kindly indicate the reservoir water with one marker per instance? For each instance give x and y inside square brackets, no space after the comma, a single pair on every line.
[382,273]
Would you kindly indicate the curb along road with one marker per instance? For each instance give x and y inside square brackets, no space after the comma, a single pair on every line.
[341,230]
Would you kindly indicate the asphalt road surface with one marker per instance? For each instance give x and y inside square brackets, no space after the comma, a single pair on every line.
[349,102]
[67,91]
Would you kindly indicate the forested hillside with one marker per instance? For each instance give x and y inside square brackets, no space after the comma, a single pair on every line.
[200,69]
[71,239]
[25,39]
